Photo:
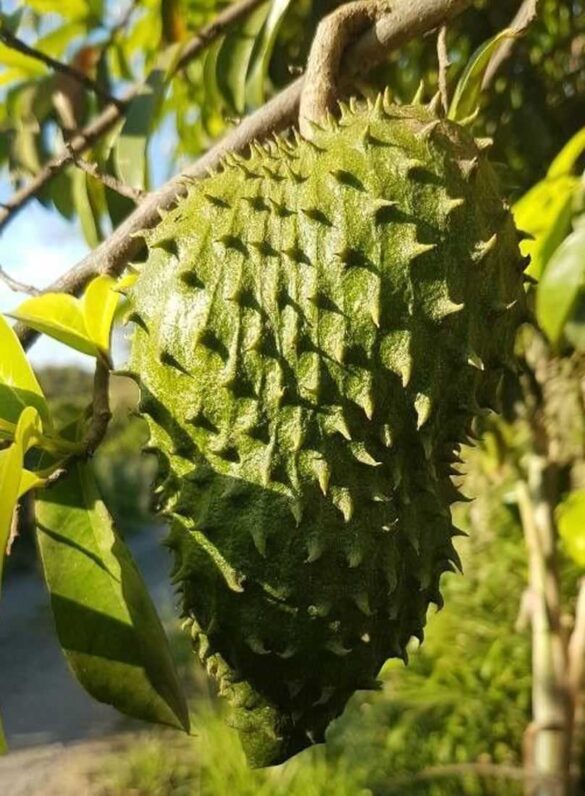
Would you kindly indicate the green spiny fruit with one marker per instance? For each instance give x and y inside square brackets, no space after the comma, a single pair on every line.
[317,325]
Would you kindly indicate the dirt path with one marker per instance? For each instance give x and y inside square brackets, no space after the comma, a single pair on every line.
[45,712]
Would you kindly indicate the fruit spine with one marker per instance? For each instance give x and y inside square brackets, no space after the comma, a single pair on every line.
[316,326]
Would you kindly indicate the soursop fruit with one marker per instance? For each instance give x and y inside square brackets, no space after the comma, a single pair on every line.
[316,327]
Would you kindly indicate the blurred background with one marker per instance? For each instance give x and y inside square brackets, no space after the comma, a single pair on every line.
[458,719]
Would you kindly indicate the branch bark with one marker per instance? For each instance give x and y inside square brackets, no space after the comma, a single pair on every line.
[408,19]
[112,113]
[12,41]
[18,287]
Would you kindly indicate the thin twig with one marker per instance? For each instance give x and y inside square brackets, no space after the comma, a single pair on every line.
[18,287]
[12,41]
[407,20]
[444,64]
[111,114]
[134,194]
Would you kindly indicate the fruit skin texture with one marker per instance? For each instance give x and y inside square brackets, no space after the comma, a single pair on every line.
[316,326]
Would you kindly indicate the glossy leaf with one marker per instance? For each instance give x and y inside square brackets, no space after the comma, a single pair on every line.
[99,307]
[60,316]
[258,71]
[83,324]
[18,384]
[234,57]
[466,97]
[561,284]
[545,212]
[106,623]
[10,472]
[571,524]
[12,483]
[565,161]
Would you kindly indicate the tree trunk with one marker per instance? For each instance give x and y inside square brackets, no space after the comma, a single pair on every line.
[547,750]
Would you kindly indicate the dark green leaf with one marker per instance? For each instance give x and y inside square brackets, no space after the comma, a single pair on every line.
[130,152]
[106,622]
[260,61]
[234,58]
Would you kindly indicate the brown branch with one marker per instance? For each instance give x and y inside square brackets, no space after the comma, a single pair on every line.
[134,194]
[522,19]
[12,41]
[101,414]
[444,64]
[321,90]
[111,114]
[408,19]
[18,287]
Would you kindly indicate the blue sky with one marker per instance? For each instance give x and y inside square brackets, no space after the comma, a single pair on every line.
[36,247]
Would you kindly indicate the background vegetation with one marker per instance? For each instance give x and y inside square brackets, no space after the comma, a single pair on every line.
[463,706]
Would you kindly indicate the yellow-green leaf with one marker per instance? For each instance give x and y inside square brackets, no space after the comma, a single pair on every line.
[60,316]
[12,485]
[18,384]
[3,744]
[545,212]
[10,473]
[571,523]
[568,156]
[99,307]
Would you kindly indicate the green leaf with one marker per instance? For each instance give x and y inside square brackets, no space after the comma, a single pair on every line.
[106,623]
[131,149]
[24,64]
[60,316]
[545,212]
[234,56]
[90,222]
[260,61]
[84,324]
[99,307]
[72,9]
[560,285]
[565,161]
[10,472]
[11,21]
[466,97]
[570,515]
[12,484]
[18,384]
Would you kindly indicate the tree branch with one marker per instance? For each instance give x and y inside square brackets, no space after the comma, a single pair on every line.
[112,113]
[101,414]
[12,41]
[18,287]
[444,64]
[136,195]
[408,19]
